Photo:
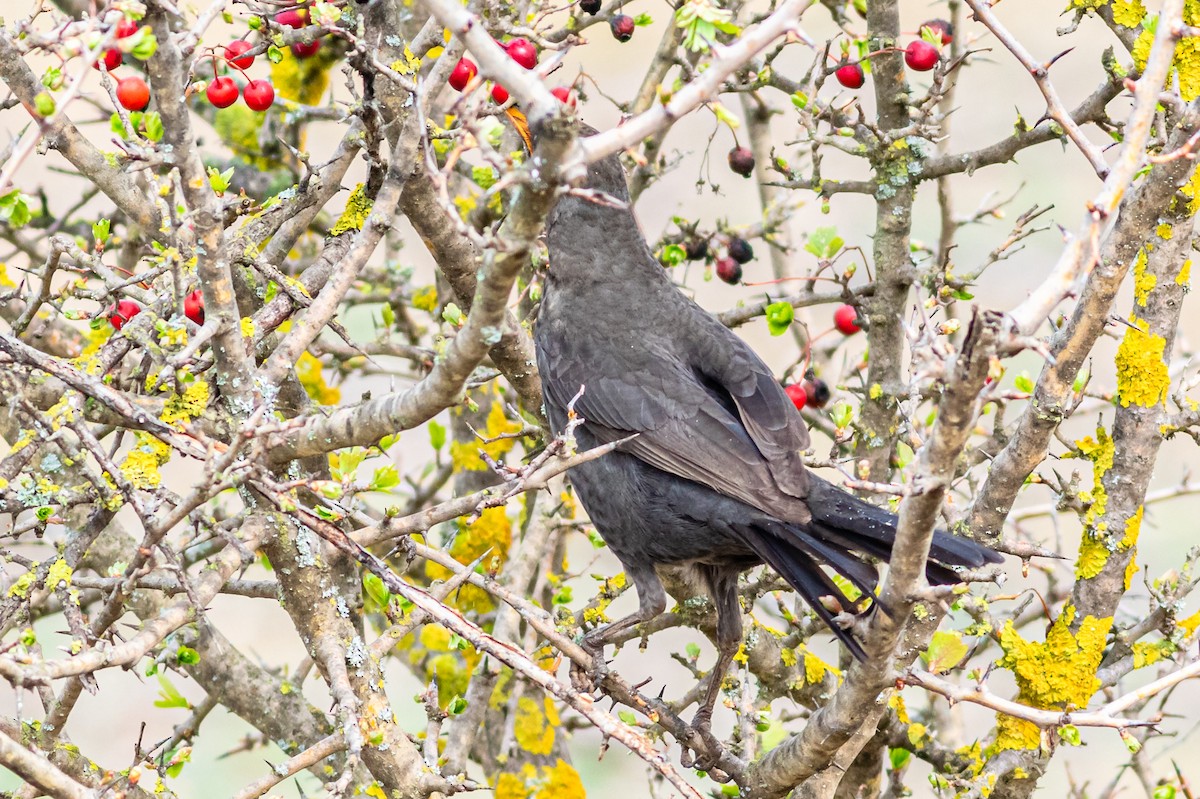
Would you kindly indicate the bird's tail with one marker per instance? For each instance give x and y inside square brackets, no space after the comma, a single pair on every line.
[843,528]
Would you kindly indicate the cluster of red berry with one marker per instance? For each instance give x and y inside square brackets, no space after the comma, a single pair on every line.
[296,19]
[729,266]
[223,91]
[520,50]
[813,390]
[133,93]
[123,311]
[921,54]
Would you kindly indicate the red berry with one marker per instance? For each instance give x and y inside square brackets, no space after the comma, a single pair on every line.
[464,71]
[590,6]
[193,306]
[233,53]
[942,28]
[305,49]
[112,59]
[499,94]
[797,395]
[845,319]
[523,52]
[133,94]
[126,28]
[125,310]
[729,270]
[921,55]
[259,94]
[565,96]
[741,161]
[293,19]
[851,76]
[222,92]
[622,27]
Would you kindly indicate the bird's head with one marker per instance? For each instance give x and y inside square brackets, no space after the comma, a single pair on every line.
[605,175]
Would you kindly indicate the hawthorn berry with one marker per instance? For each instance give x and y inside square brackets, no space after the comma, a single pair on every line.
[590,6]
[293,18]
[112,59]
[305,49]
[850,75]
[741,161]
[523,52]
[564,96]
[622,27]
[222,92]
[126,28]
[133,94]
[729,270]
[259,94]
[796,394]
[123,312]
[942,28]
[696,249]
[845,319]
[193,306]
[234,53]
[921,55]
[818,392]
[740,250]
[499,94]
[462,74]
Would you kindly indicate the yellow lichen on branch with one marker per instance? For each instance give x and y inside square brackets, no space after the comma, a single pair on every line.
[1142,377]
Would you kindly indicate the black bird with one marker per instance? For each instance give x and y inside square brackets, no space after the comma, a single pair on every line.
[713,479]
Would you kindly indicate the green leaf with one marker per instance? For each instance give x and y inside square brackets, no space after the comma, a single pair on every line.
[219,180]
[779,317]
[800,100]
[52,78]
[376,590]
[44,104]
[453,314]
[898,758]
[842,415]
[142,45]
[388,315]
[946,650]
[672,255]
[627,716]
[14,208]
[1024,383]
[824,242]
[101,231]
[170,695]
[904,454]
[385,478]
[962,294]
[1164,791]
[457,705]
[437,435]
[642,20]
[186,656]
[693,651]
[1069,734]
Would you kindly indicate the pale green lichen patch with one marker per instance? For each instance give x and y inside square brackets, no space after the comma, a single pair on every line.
[1142,377]
[1057,674]
[358,208]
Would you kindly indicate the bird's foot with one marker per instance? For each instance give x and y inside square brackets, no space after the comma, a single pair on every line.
[586,680]
[710,750]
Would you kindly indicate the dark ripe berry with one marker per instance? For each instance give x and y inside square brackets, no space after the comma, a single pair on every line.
[293,18]
[740,250]
[590,6]
[564,96]
[133,94]
[797,395]
[942,28]
[741,161]
[193,307]
[696,249]
[305,49]
[125,310]
[499,94]
[921,55]
[851,76]
[729,270]
[462,74]
[222,92]
[259,94]
[111,58]
[622,27]
[818,392]
[126,28]
[845,319]
[233,53]
[523,52]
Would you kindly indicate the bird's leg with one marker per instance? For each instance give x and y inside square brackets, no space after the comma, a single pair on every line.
[723,586]
[652,601]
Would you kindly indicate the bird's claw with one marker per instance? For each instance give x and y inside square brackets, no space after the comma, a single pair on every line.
[586,680]
[706,760]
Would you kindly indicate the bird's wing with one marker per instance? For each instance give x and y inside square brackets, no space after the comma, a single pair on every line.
[731,436]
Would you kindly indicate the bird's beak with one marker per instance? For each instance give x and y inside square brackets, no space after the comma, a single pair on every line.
[522,125]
